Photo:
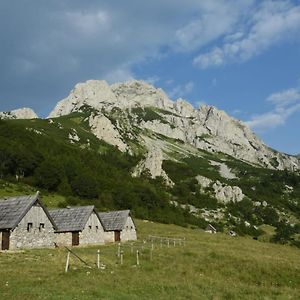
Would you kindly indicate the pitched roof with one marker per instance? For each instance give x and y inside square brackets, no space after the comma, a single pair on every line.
[12,210]
[73,218]
[209,226]
[114,220]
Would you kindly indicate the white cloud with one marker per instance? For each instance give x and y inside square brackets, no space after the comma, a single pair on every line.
[272,22]
[285,98]
[216,18]
[286,103]
[181,90]
[118,75]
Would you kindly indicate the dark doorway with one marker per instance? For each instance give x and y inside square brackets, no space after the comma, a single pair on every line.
[75,238]
[117,236]
[5,240]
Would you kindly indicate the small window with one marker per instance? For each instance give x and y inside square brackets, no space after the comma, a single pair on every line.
[41,227]
[97,228]
[29,227]
[131,227]
[90,227]
[127,227]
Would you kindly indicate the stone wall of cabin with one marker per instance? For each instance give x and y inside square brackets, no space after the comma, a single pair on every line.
[93,232]
[36,236]
[129,231]
[63,239]
[109,236]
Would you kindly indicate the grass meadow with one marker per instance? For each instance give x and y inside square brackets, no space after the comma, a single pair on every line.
[207,267]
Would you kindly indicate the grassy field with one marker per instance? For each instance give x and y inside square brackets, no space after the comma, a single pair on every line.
[208,267]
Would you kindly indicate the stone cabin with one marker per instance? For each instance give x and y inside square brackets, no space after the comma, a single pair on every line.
[118,226]
[25,223]
[210,229]
[77,226]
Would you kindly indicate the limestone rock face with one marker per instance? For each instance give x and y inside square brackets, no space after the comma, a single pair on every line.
[152,163]
[222,192]
[103,128]
[93,93]
[139,93]
[21,113]
[206,128]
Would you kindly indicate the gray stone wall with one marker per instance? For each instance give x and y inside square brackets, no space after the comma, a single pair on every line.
[63,239]
[93,233]
[36,236]
[109,236]
[129,231]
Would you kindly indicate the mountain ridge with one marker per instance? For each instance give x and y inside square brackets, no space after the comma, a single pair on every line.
[134,109]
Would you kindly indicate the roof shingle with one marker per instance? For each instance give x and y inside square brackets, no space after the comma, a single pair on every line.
[72,219]
[12,210]
[114,220]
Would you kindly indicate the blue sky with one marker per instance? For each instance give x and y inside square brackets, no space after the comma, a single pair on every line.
[242,56]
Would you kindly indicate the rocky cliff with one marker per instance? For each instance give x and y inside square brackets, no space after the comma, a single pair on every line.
[22,113]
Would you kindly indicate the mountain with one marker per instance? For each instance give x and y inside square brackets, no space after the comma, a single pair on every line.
[137,106]
[128,145]
[21,113]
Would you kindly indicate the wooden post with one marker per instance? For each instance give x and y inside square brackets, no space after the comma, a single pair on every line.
[152,246]
[174,243]
[67,262]
[168,243]
[98,259]
[121,257]
[119,250]
[160,243]
[137,258]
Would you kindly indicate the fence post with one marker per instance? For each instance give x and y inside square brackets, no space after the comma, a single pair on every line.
[98,259]
[137,258]
[67,262]
[121,257]
[119,250]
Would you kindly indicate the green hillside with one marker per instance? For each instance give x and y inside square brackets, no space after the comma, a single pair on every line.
[208,267]
[62,157]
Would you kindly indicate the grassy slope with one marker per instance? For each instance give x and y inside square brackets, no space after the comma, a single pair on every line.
[208,267]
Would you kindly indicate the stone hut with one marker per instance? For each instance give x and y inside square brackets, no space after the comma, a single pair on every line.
[25,223]
[210,229]
[77,226]
[118,226]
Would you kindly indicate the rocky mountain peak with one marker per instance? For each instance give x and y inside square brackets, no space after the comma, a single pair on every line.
[21,113]
[207,128]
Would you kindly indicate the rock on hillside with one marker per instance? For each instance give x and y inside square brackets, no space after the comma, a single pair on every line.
[144,109]
[21,113]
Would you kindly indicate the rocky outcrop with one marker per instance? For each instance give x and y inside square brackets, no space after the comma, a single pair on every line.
[21,113]
[224,170]
[152,162]
[222,192]
[103,128]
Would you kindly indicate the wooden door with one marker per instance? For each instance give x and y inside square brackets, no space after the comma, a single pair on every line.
[5,240]
[117,236]
[75,238]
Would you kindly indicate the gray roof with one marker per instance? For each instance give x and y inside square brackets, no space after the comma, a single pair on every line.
[12,210]
[114,220]
[73,218]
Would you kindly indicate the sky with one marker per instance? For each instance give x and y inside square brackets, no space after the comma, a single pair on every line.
[242,56]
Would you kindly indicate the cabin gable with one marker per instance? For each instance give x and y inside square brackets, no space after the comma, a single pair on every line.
[35,230]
